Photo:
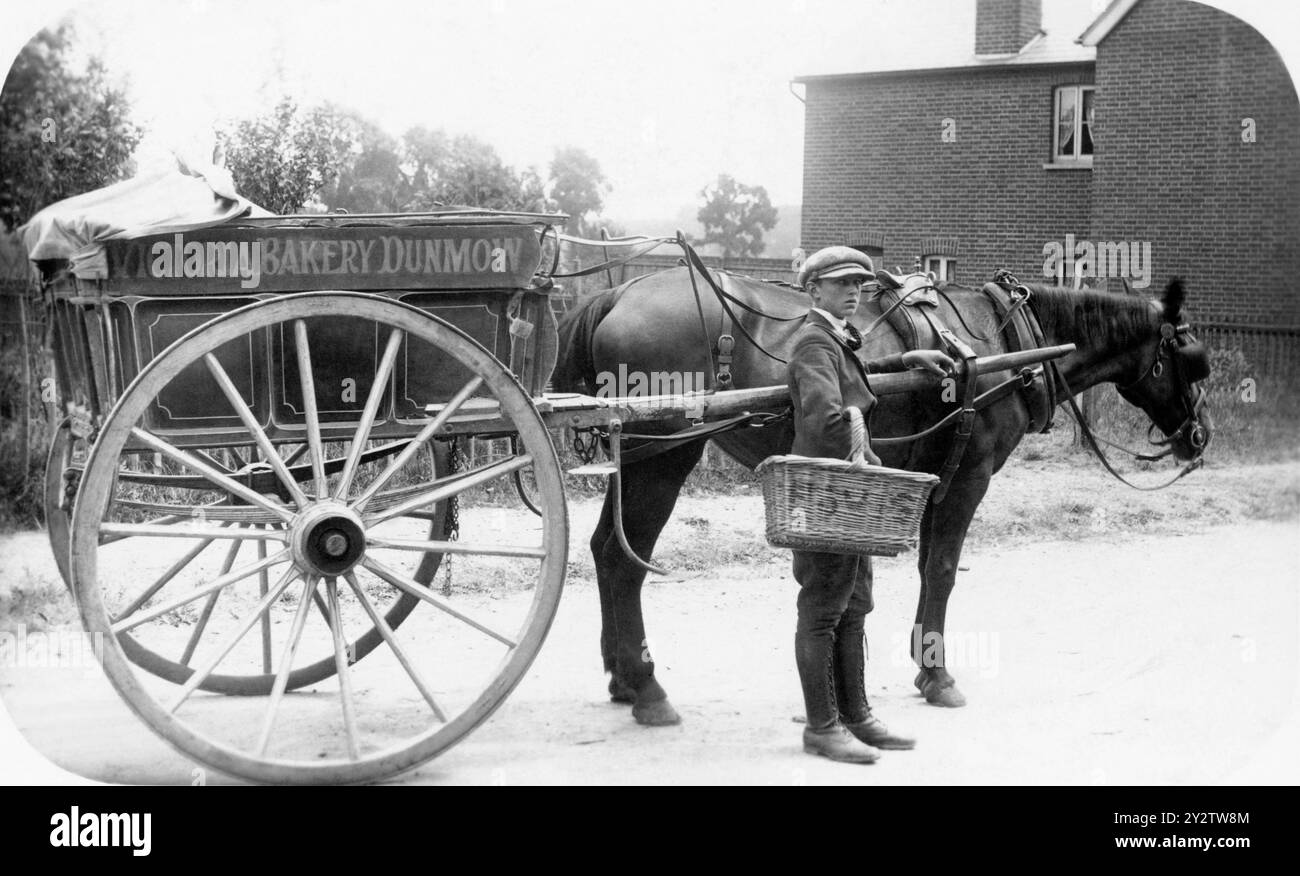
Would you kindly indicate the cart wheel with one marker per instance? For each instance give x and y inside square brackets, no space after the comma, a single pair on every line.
[330,551]
[260,683]
[57,512]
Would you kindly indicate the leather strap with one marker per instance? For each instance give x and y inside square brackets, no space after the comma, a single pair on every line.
[655,444]
[636,253]
[1092,443]
[966,420]
[1021,331]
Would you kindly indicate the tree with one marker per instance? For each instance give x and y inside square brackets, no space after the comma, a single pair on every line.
[578,187]
[371,179]
[62,133]
[464,171]
[282,158]
[735,216]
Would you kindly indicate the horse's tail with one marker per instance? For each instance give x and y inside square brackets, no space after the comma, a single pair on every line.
[575,371]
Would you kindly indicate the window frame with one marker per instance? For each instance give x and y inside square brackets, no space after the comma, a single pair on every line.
[1077,159]
[947,267]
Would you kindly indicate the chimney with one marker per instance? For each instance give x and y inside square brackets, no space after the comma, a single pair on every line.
[1002,27]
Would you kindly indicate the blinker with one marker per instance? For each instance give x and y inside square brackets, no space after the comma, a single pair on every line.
[1195,362]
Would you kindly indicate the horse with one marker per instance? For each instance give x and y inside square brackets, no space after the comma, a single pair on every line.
[669,322]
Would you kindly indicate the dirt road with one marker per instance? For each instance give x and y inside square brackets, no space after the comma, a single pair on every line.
[1159,659]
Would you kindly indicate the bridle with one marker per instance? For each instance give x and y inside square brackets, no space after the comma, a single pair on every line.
[1178,349]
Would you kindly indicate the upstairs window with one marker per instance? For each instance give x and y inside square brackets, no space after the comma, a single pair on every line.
[943,267]
[1072,127]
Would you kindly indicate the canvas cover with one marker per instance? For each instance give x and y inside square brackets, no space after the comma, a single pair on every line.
[173,199]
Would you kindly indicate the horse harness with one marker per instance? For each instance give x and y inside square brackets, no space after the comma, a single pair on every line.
[896,293]
[903,298]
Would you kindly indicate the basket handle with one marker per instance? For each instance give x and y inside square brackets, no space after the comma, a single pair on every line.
[858,437]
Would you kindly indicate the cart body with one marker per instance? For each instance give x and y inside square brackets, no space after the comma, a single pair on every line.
[475,271]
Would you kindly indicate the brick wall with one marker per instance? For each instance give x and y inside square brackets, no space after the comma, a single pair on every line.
[1174,82]
[875,162]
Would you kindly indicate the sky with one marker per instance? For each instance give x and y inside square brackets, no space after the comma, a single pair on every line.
[665,95]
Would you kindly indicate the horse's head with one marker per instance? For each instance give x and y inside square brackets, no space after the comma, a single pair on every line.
[1164,375]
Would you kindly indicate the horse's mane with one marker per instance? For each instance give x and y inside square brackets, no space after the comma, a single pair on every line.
[1100,319]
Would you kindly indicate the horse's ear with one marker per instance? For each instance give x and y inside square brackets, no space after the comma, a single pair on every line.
[1173,298]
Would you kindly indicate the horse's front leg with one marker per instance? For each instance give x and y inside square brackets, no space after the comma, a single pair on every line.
[650,491]
[943,533]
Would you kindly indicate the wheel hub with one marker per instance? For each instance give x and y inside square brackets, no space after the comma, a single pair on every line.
[327,539]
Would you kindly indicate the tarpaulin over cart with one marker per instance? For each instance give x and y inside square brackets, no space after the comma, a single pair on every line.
[181,198]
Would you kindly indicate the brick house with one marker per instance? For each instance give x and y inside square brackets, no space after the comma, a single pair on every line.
[1165,123]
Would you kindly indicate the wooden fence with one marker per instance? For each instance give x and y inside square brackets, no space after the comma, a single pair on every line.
[665,257]
[1272,351]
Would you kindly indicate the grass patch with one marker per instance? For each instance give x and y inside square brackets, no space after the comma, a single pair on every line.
[35,603]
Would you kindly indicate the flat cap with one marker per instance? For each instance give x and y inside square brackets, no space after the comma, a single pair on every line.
[836,261]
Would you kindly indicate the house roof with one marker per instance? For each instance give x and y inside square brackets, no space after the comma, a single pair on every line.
[1105,23]
[949,41]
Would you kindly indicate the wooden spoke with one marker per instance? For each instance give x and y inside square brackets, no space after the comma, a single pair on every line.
[286,665]
[296,455]
[223,481]
[308,383]
[263,582]
[443,490]
[455,547]
[180,531]
[321,606]
[212,600]
[368,415]
[171,573]
[344,672]
[255,429]
[416,443]
[391,639]
[290,575]
[406,585]
[226,580]
[207,457]
[158,521]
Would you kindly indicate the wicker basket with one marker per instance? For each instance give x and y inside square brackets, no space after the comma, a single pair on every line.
[843,507]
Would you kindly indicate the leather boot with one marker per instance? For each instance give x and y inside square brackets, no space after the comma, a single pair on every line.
[873,732]
[851,695]
[850,677]
[837,743]
[814,659]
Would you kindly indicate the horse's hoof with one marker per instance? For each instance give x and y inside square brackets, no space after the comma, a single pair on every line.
[920,680]
[659,713]
[621,692]
[947,696]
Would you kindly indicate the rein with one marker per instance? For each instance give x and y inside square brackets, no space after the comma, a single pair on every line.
[1092,440]
[642,246]
[1169,348]
[695,264]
